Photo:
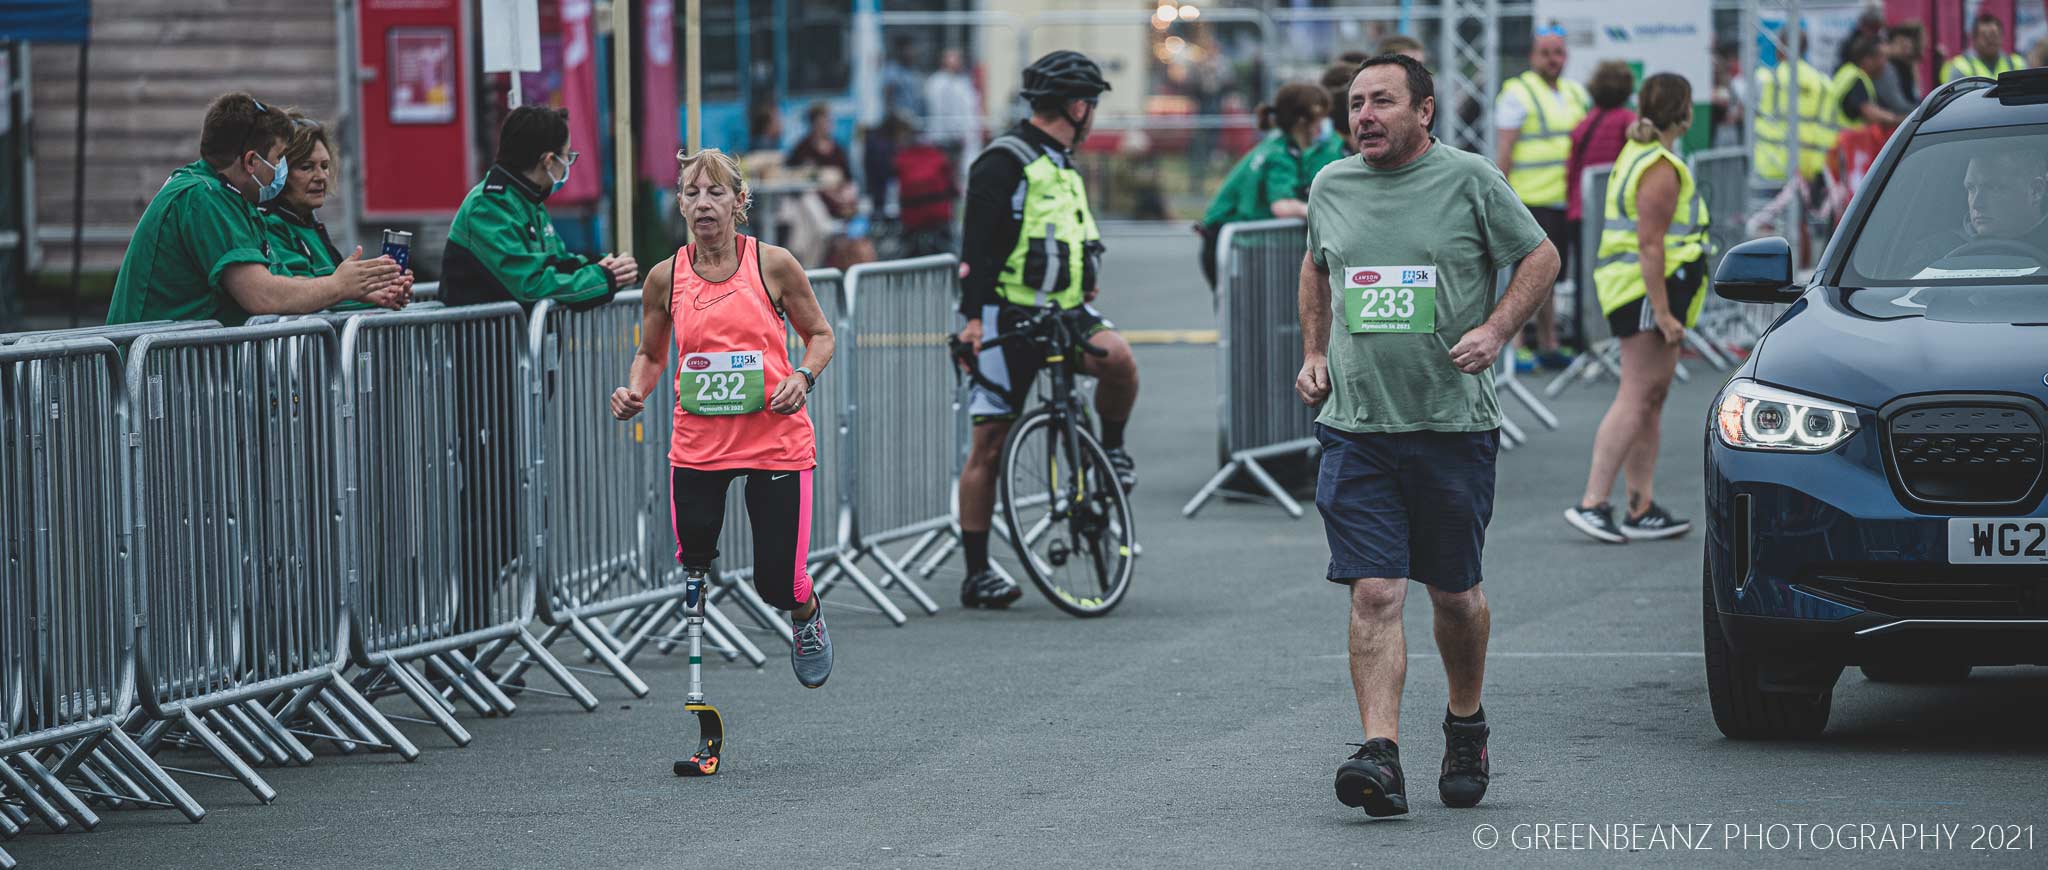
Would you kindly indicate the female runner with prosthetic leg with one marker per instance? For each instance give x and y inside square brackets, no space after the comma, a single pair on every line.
[723,300]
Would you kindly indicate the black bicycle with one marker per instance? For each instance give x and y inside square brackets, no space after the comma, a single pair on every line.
[1063,507]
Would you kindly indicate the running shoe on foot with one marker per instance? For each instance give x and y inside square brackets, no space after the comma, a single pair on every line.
[1126,468]
[1372,779]
[1525,360]
[1655,524]
[1554,360]
[1465,770]
[988,589]
[1596,522]
[811,653]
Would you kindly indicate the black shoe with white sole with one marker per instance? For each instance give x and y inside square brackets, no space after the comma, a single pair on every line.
[1656,524]
[1596,522]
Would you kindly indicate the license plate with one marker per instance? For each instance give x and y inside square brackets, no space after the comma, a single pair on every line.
[2022,541]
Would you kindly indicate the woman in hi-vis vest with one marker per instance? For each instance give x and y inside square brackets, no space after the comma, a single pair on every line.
[1650,278]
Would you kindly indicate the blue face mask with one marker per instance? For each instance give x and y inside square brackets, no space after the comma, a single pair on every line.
[278,175]
[559,182]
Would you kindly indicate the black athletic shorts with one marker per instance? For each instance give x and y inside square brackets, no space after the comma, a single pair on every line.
[1014,366]
[1636,316]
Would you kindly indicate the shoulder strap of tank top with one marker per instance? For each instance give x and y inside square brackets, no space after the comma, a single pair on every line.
[761,277]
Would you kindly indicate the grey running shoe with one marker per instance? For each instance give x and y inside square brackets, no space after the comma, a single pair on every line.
[988,589]
[811,654]
[1125,467]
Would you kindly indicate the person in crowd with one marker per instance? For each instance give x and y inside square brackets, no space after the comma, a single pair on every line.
[1792,88]
[816,224]
[1870,25]
[1987,56]
[819,153]
[502,244]
[724,304]
[878,159]
[900,91]
[927,186]
[291,220]
[1336,82]
[1853,93]
[1271,180]
[1729,86]
[1533,119]
[1401,44]
[1651,282]
[1024,196]
[955,106]
[2038,55]
[764,126]
[200,251]
[1597,141]
[1400,331]
[1898,85]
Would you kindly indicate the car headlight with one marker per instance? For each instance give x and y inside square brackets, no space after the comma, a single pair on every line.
[1751,416]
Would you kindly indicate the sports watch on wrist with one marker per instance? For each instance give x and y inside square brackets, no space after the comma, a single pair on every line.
[810,378]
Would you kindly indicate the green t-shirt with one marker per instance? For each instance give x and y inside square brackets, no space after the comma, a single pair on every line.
[1451,213]
[1273,170]
[194,229]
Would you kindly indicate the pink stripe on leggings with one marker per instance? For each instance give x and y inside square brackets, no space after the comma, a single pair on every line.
[803,540]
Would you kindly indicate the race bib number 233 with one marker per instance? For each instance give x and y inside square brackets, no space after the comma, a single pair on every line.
[1400,299]
[722,383]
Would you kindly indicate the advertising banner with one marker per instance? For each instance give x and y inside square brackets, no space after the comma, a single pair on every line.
[579,96]
[1651,37]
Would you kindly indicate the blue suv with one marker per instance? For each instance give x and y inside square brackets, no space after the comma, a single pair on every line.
[1874,470]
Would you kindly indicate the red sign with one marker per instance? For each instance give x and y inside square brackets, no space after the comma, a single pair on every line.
[658,93]
[414,108]
[579,96]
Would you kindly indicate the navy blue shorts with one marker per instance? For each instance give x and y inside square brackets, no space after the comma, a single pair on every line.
[1407,504]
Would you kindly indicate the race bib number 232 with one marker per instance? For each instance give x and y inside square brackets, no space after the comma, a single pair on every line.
[722,383]
[1399,299]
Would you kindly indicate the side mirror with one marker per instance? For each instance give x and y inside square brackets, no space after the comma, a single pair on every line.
[1759,270]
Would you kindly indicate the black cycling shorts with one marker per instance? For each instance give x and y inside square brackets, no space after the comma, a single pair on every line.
[1014,366]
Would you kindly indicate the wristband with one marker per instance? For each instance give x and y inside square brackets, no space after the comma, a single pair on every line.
[809,378]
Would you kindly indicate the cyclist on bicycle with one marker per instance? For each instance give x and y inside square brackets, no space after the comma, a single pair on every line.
[1028,239]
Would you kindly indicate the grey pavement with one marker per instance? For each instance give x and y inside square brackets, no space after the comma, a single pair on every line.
[1199,725]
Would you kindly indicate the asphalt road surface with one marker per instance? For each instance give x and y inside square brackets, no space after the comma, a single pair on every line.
[1200,725]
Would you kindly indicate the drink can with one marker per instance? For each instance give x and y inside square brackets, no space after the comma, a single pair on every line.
[398,246]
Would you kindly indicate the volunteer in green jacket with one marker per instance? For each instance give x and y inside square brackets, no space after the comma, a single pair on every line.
[1772,150]
[1024,198]
[1853,94]
[1271,181]
[291,220]
[1533,121]
[1651,276]
[200,251]
[1986,56]
[503,246]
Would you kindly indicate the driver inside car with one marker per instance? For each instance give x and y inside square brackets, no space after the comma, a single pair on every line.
[2007,194]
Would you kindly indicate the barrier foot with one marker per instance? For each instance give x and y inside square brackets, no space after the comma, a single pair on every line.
[75,756]
[762,612]
[254,733]
[437,709]
[371,723]
[482,681]
[939,555]
[1512,431]
[112,769]
[7,861]
[125,749]
[339,736]
[34,801]
[898,577]
[874,593]
[233,736]
[1535,405]
[1683,374]
[11,821]
[1707,351]
[108,795]
[279,734]
[603,652]
[77,809]
[538,653]
[459,688]
[243,773]
[519,668]
[738,639]
[645,629]
[1571,372]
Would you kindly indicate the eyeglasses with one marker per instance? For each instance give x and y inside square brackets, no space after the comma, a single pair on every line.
[570,160]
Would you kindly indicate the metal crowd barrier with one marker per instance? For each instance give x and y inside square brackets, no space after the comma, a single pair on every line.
[895,365]
[65,623]
[1258,276]
[436,432]
[237,550]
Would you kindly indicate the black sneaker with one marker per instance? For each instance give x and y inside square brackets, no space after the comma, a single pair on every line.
[1465,770]
[988,589]
[1596,522]
[1656,524]
[1126,468]
[1372,779]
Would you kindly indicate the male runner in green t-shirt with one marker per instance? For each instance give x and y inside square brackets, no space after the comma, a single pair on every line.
[200,253]
[1400,332]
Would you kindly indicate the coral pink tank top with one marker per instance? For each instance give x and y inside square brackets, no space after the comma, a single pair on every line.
[723,329]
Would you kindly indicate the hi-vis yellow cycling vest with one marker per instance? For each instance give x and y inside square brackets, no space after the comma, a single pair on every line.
[1545,142]
[1056,235]
[1618,273]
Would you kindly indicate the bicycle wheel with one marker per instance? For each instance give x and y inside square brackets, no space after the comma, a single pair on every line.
[1067,516]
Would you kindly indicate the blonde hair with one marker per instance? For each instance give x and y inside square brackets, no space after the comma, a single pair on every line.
[718,168]
[1664,102]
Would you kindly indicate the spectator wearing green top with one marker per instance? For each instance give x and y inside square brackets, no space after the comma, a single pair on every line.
[291,220]
[1271,180]
[200,251]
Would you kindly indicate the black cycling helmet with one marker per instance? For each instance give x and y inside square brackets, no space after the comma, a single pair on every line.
[1062,75]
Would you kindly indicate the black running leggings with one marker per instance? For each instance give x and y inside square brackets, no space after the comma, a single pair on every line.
[778,508]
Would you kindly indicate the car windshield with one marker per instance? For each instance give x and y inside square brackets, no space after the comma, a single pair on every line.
[1963,209]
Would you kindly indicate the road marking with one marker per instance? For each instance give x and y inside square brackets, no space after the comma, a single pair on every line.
[1551,655]
[1168,336]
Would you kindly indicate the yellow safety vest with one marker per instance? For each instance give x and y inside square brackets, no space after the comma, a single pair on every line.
[1846,78]
[1545,142]
[1772,150]
[1618,273]
[1968,64]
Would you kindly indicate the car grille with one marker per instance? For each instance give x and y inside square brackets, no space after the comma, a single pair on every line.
[1909,598]
[1967,454]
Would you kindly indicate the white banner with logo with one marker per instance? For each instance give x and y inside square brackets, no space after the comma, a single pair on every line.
[1654,37]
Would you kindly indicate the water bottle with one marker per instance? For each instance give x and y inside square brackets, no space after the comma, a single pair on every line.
[398,246]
